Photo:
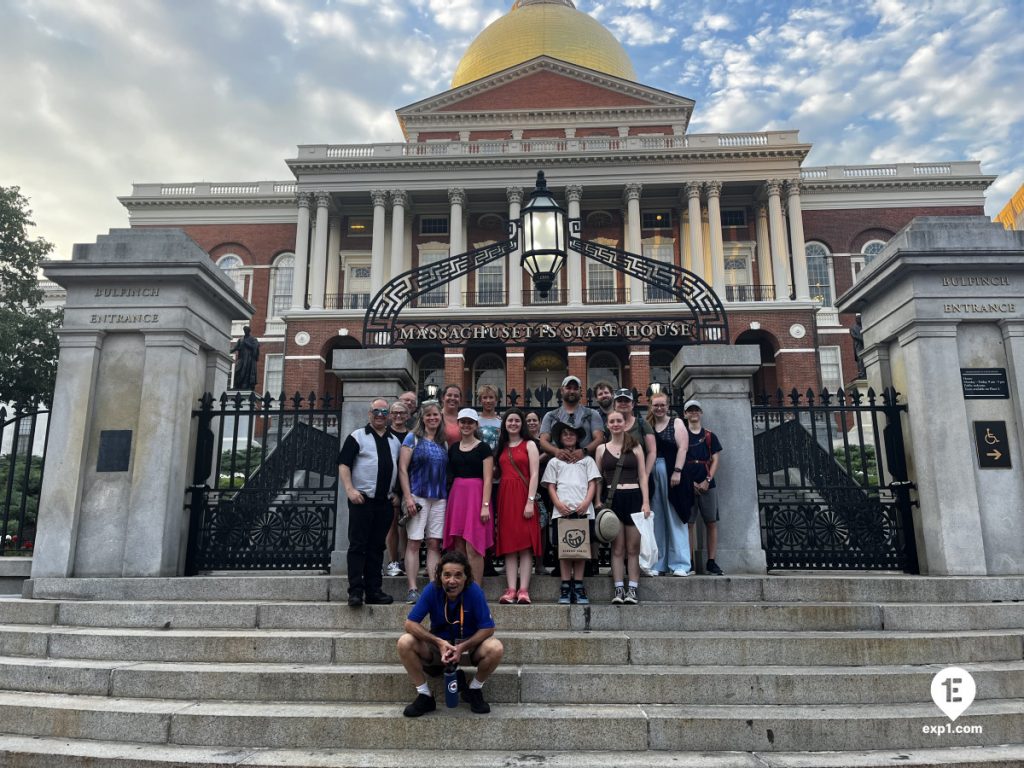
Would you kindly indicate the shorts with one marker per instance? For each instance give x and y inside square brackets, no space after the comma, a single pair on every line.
[434,668]
[625,503]
[429,521]
[705,506]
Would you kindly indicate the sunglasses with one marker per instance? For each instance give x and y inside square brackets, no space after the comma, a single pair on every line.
[380,411]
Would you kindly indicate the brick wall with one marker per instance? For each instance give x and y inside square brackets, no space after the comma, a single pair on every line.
[544,90]
[846,230]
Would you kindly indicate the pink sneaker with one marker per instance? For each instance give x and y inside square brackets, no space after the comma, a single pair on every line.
[523,598]
[508,597]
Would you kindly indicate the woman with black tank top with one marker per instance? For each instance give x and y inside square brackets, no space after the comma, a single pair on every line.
[669,523]
[630,496]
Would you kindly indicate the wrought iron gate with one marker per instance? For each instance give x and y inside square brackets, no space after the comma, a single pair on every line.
[265,483]
[832,481]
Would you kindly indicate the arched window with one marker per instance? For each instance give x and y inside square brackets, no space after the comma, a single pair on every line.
[819,273]
[604,366]
[489,368]
[281,279]
[231,265]
[872,248]
[661,367]
[431,373]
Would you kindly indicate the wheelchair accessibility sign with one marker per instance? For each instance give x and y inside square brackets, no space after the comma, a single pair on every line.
[993,447]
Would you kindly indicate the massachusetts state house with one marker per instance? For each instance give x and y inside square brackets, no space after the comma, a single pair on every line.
[546,87]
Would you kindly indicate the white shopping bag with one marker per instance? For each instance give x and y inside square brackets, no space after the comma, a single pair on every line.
[648,545]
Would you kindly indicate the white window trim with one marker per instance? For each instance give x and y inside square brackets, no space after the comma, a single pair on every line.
[272,288]
[839,363]
[830,271]
[244,272]
[268,368]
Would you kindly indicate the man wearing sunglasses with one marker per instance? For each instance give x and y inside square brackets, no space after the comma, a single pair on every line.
[368,467]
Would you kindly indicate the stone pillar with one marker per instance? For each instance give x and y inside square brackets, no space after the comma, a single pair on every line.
[147,329]
[714,190]
[515,269]
[301,252]
[318,260]
[777,229]
[515,372]
[454,369]
[719,376]
[633,245]
[577,365]
[574,273]
[399,202]
[377,269]
[333,261]
[456,244]
[796,241]
[764,252]
[696,235]
[365,374]
[942,303]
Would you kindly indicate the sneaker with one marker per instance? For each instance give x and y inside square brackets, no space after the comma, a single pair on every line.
[631,597]
[507,597]
[563,595]
[395,569]
[475,697]
[523,598]
[355,600]
[681,572]
[649,572]
[712,567]
[379,598]
[412,596]
[620,596]
[581,594]
[420,706]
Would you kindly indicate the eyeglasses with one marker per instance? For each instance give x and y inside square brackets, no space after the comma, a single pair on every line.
[380,411]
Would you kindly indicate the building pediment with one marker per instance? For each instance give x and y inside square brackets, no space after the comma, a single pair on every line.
[546,90]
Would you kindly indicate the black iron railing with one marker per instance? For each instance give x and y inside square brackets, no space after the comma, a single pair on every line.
[23,437]
[750,293]
[346,301]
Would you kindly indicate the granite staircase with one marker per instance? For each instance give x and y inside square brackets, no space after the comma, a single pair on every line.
[745,672]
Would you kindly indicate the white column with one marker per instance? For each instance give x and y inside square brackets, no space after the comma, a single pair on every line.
[796,241]
[380,201]
[333,261]
[696,228]
[399,202]
[574,273]
[301,252]
[633,245]
[714,190]
[456,242]
[764,251]
[515,269]
[318,257]
[777,230]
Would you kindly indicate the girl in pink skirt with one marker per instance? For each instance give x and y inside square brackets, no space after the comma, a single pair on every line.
[467,523]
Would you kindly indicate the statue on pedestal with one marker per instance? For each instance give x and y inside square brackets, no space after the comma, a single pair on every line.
[857,333]
[248,350]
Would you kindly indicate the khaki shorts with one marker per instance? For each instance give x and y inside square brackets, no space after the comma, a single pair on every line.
[428,522]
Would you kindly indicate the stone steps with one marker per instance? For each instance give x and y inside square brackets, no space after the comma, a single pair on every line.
[42,752]
[535,683]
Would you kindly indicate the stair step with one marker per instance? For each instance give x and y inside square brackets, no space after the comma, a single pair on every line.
[512,727]
[26,752]
[550,684]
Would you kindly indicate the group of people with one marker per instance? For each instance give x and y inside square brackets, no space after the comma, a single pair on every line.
[468,482]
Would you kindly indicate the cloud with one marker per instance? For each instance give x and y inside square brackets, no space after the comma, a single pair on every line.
[636,29]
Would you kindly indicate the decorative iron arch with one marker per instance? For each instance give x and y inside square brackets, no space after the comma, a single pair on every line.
[705,323]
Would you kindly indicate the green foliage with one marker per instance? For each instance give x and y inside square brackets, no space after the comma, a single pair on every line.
[23,489]
[247,461]
[28,331]
[857,468]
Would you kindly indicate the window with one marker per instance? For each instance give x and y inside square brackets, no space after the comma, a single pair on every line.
[734,217]
[438,297]
[433,225]
[664,251]
[431,373]
[871,249]
[490,283]
[232,266]
[656,219]
[489,369]
[819,273]
[357,286]
[599,219]
[603,366]
[360,226]
[831,368]
[600,283]
[281,280]
[661,367]
[273,370]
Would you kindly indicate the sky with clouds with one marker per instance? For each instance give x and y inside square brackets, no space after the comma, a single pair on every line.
[98,94]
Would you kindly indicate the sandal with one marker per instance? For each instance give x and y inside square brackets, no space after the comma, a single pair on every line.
[523,598]
[508,597]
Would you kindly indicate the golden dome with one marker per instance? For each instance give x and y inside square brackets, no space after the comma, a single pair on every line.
[543,28]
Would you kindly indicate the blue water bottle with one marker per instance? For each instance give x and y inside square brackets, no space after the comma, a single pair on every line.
[451,686]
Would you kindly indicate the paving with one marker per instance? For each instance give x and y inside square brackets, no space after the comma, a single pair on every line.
[788,671]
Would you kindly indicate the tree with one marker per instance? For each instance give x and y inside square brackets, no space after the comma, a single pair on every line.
[28,330]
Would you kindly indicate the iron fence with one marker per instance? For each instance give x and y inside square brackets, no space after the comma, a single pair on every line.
[24,430]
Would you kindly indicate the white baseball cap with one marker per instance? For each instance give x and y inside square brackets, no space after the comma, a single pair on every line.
[570,380]
[469,413]
[692,404]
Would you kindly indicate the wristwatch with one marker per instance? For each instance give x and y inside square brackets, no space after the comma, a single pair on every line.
[677,469]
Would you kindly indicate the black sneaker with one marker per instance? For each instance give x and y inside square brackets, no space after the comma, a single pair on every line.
[580,594]
[420,706]
[620,596]
[712,567]
[475,697]
[564,596]
[631,596]
[379,598]
[355,599]
[460,679]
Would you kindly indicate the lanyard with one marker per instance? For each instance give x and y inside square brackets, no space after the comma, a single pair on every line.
[462,617]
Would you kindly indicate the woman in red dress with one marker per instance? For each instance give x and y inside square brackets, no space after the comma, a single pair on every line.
[518,458]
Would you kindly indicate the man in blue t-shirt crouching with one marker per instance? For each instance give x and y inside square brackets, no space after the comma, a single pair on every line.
[461,628]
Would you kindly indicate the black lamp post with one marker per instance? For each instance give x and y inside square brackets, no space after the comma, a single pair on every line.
[545,237]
